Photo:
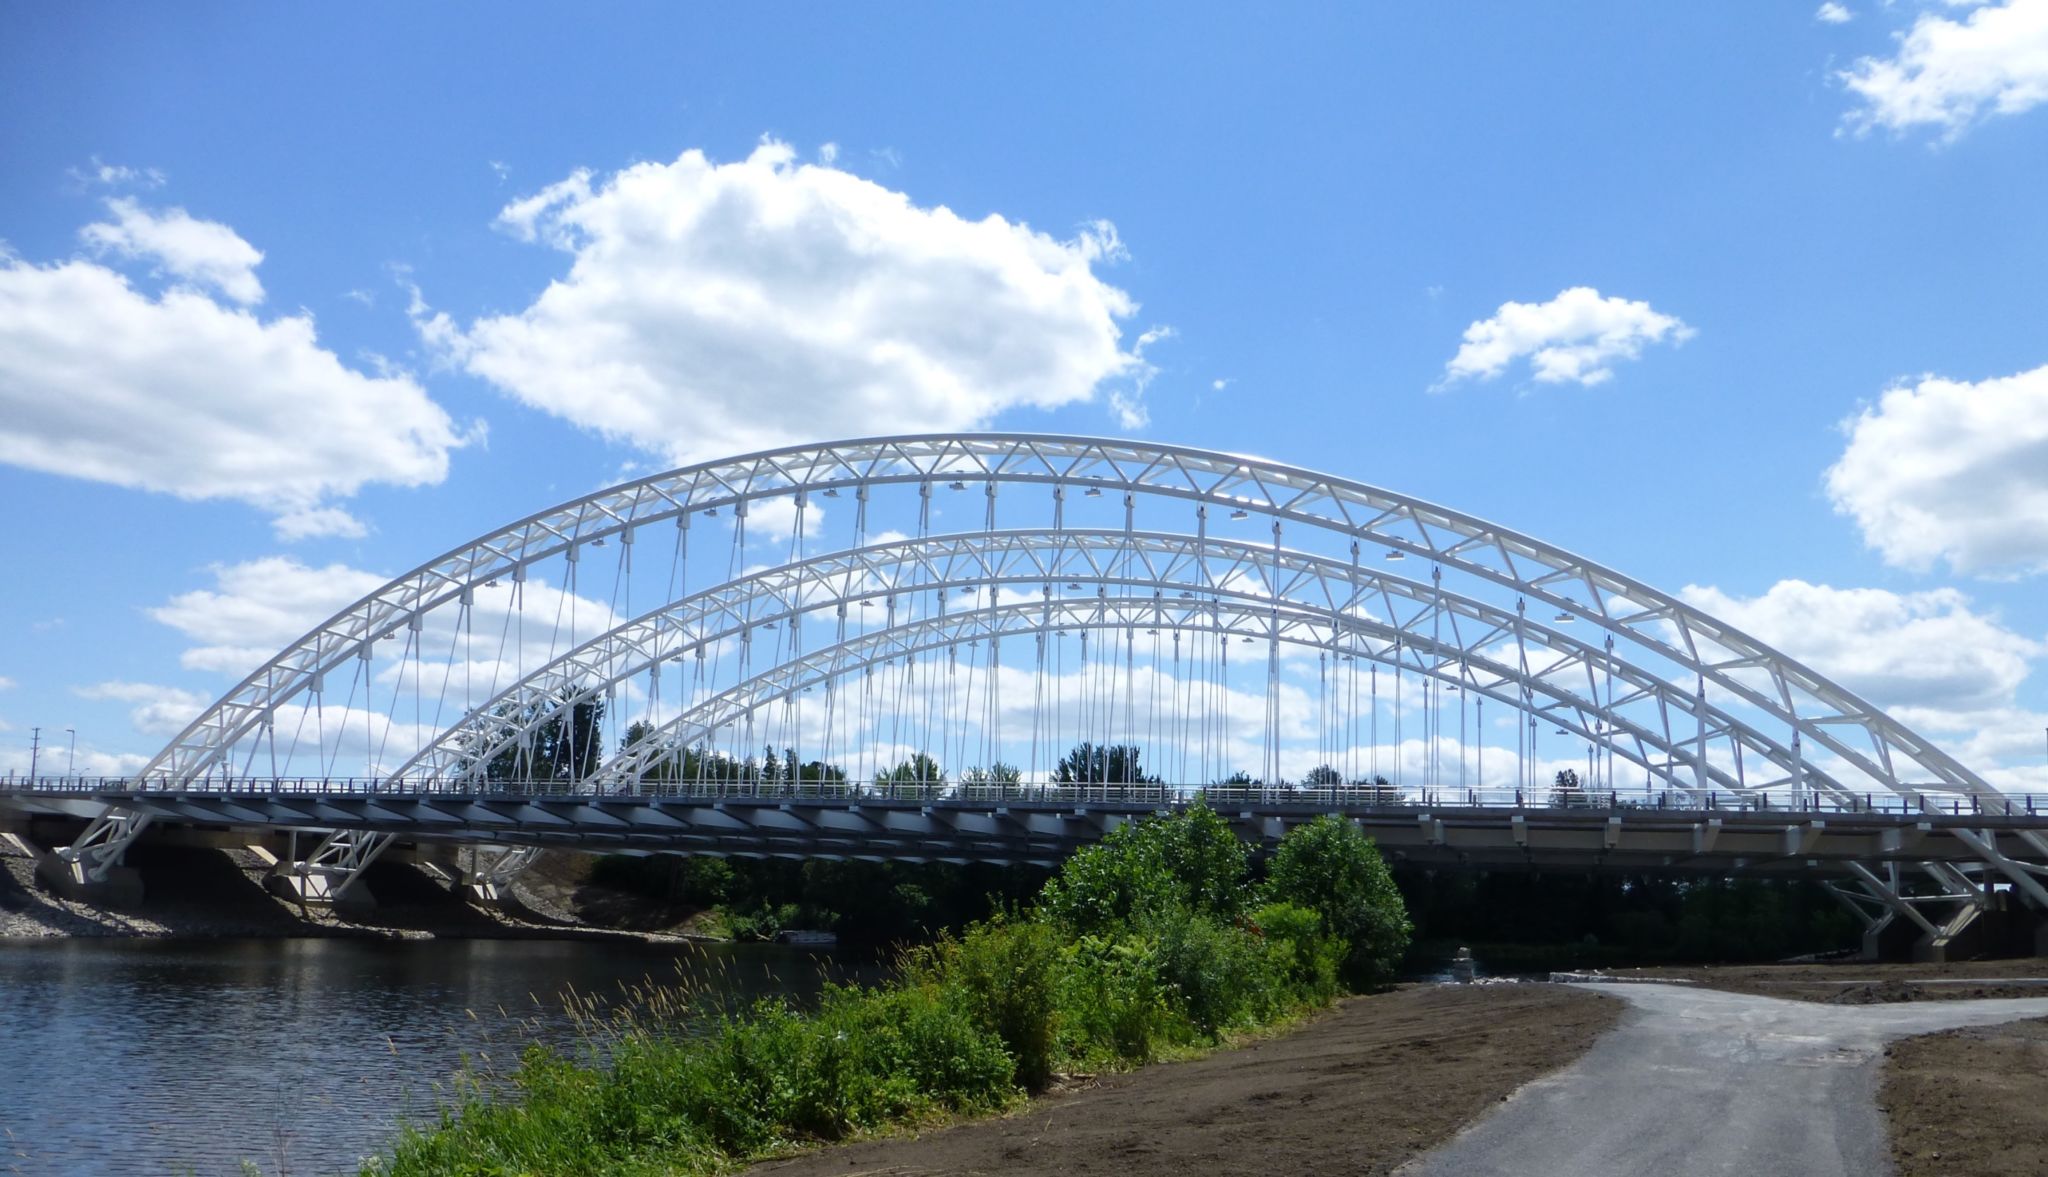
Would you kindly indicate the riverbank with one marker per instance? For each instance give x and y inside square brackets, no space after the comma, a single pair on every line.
[1358,1089]
[204,893]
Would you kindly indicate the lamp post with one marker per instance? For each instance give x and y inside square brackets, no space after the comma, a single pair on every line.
[71,757]
[35,751]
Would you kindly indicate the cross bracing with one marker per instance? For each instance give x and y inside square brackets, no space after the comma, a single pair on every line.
[1371,613]
[1686,649]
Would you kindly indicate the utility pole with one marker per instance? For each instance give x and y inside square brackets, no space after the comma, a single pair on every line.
[35,748]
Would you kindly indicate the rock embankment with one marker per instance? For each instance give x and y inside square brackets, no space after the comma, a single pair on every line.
[210,893]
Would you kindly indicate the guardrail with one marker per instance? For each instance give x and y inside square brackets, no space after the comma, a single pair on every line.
[1152,794]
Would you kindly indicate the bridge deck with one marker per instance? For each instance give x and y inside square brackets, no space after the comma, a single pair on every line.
[1666,834]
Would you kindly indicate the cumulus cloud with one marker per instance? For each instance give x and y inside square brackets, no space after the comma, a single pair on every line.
[1926,652]
[155,710]
[207,253]
[1575,337]
[256,607]
[1950,470]
[712,309]
[1948,74]
[185,395]
[1833,14]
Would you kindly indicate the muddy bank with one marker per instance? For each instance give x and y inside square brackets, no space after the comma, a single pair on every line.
[1360,1090]
[1969,1101]
[208,893]
[1851,983]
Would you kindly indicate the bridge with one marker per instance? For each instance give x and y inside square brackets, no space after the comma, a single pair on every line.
[997,646]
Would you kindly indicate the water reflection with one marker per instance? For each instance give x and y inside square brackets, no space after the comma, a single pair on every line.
[151,1057]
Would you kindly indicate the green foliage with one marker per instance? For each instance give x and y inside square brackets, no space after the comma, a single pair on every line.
[1329,866]
[1102,764]
[1007,974]
[1307,959]
[555,750]
[1189,859]
[1138,946]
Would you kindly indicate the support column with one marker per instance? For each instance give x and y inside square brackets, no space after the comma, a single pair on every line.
[90,869]
[487,870]
[332,875]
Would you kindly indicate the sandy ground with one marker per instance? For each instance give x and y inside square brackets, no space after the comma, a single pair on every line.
[1969,1101]
[1360,1090]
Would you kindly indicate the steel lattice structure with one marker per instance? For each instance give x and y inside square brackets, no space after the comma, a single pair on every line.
[1325,604]
[1736,691]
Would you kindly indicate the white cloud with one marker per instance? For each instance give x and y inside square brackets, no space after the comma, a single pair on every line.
[204,252]
[183,395]
[1927,652]
[256,607]
[118,175]
[1949,74]
[1833,14]
[1949,470]
[6,684]
[1573,337]
[712,309]
[156,710]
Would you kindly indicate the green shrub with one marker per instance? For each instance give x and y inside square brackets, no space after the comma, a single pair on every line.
[1215,975]
[1007,975]
[1189,859]
[1113,1004]
[1329,866]
[1307,959]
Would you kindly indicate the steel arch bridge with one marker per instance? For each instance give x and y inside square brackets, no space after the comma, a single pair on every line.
[953,613]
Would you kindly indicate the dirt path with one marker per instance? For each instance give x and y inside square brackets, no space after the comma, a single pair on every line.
[1695,1081]
[1360,1090]
[1969,1101]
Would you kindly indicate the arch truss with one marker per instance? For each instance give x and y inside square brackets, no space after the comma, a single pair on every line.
[993,599]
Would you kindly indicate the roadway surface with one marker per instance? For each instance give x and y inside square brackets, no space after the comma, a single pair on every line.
[1696,1081]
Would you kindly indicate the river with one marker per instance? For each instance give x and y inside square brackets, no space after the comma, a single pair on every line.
[299,1056]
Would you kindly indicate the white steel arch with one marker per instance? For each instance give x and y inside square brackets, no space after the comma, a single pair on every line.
[1180,572]
[1255,620]
[1719,656]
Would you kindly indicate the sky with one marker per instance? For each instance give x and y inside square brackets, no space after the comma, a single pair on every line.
[1744,300]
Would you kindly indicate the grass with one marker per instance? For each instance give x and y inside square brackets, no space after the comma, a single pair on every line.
[1148,950]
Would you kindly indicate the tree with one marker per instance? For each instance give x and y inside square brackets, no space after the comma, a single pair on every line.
[920,770]
[1567,791]
[1322,776]
[999,773]
[555,750]
[1330,867]
[1102,764]
[1188,860]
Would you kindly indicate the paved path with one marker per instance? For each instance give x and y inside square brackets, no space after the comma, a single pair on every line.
[1696,1081]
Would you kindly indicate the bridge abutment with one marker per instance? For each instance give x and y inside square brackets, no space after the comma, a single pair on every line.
[118,887]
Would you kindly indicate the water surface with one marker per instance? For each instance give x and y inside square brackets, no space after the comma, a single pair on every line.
[167,1057]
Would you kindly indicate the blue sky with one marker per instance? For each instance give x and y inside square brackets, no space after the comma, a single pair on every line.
[1755,220]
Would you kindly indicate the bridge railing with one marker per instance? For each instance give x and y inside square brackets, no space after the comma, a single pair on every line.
[1126,795]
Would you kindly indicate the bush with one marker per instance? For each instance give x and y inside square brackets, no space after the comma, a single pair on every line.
[1215,975]
[1007,975]
[1307,959]
[1140,944]
[1329,866]
[1113,1005]
[1189,859]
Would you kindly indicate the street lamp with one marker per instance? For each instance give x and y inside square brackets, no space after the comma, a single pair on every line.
[71,758]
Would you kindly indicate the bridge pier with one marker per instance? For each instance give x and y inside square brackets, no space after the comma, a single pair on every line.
[332,875]
[90,869]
